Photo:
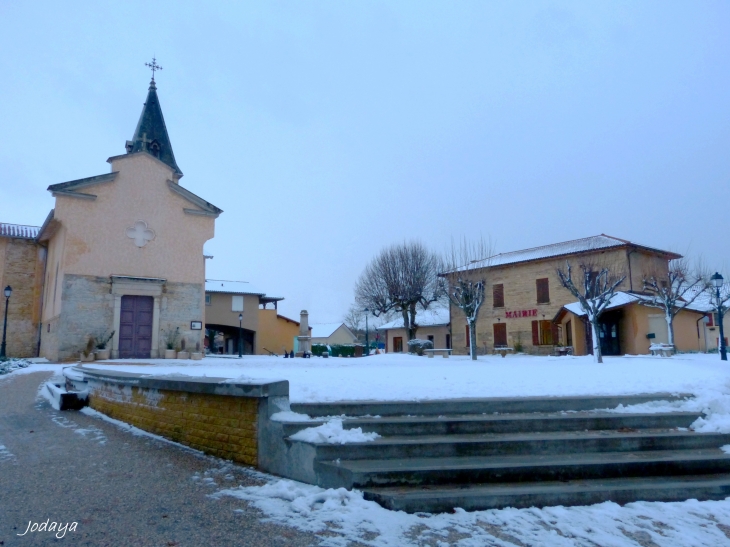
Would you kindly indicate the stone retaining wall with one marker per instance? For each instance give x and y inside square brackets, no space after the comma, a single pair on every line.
[217,417]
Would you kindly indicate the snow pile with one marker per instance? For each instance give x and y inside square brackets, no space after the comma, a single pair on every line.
[11,365]
[344,517]
[290,416]
[333,433]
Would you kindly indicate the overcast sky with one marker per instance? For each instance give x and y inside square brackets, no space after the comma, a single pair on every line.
[328,130]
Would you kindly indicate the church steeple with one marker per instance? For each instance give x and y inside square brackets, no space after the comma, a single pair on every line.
[151,133]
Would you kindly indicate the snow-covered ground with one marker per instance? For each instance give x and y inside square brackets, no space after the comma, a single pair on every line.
[343,518]
[408,377]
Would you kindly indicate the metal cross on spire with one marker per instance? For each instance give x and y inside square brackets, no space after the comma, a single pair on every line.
[154,66]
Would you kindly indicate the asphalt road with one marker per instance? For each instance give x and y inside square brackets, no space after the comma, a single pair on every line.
[121,489]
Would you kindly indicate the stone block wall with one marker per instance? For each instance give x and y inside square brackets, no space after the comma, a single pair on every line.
[87,310]
[182,303]
[222,426]
[220,418]
[22,269]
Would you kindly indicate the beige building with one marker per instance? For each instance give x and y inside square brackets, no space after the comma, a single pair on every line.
[120,252]
[433,324]
[332,333]
[524,296]
[263,330]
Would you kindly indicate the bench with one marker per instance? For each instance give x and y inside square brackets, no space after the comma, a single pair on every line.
[502,350]
[665,350]
[563,350]
[431,352]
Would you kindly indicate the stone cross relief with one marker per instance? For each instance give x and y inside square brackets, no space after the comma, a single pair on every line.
[140,233]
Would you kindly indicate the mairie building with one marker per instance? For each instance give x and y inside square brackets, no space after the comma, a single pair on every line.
[526,308]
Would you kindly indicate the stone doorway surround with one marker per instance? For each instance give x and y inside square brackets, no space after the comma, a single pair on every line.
[124,285]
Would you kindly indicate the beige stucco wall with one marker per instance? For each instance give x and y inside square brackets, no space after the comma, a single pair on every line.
[520,293]
[95,241]
[341,336]
[276,333]
[219,311]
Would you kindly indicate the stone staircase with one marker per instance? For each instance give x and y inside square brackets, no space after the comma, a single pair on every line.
[476,454]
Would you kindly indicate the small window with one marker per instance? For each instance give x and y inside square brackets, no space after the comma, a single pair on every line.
[237,303]
[207,299]
[543,290]
[498,296]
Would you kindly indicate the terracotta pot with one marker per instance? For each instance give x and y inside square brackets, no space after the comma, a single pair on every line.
[183,355]
[196,356]
[170,354]
[86,358]
[102,354]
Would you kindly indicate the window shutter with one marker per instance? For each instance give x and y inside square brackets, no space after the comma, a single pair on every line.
[710,318]
[468,342]
[498,296]
[543,290]
[554,328]
[535,334]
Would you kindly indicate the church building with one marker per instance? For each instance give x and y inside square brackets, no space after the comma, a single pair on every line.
[120,255]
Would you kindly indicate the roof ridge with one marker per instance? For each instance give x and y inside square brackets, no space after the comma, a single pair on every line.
[556,244]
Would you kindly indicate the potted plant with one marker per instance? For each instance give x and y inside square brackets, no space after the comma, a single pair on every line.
[171,337]
[87,354]
[102,351]
[197,355]
[182,353]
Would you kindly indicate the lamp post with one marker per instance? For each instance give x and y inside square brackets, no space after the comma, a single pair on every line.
[8,292]
[240,335]
[717,281]
[367,333]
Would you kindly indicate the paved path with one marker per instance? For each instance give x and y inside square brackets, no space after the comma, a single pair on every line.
[123,490]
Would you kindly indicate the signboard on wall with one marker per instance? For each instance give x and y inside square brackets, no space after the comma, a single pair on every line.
[520,313]
[237,303]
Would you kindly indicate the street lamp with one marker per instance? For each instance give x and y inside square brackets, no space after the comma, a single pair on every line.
[717,281]
[240,335]
[367,334]
[8,292]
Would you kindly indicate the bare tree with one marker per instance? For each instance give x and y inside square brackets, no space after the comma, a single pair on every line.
[674,290]
[466,267]
[594,293]
[355,319]
[399,279]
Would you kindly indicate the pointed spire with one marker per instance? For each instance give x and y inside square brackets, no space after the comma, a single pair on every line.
[151,134]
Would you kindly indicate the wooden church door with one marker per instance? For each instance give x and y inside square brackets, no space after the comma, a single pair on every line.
[135,327]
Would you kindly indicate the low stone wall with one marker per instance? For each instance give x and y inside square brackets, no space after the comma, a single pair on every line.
[210,414]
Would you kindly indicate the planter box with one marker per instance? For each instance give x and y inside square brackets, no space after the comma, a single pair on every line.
[170,354]
[196,356]
[102,354]
[183,355]
[86,358]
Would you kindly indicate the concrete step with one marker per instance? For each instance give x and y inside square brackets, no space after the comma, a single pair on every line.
[445,446]
[478,406]
[474,497]
[416,472]
[508,423]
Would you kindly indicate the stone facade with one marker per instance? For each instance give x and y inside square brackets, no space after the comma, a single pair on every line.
[21,267]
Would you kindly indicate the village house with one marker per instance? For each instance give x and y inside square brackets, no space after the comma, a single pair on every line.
[332,333]
[433,324]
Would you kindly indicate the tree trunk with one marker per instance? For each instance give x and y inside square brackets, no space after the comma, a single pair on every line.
[597,357]
[473,340]
[670,328]
[412,328]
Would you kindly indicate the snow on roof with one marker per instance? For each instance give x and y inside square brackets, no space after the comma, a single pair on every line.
[18,230]
[585,244]
[232,287]
[619,299]
[325,330]
[424,318]
[705,301]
